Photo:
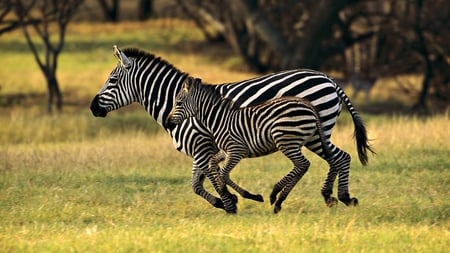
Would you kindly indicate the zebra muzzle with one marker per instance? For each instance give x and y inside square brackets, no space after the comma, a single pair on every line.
[171,122]
[96,109]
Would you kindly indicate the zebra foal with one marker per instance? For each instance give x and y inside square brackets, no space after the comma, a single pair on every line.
[282,124]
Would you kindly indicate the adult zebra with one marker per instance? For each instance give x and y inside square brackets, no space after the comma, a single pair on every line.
[281,124]
[153,82]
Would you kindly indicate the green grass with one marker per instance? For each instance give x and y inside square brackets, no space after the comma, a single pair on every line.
[74,183]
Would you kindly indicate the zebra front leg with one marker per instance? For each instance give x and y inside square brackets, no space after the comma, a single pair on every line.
[244,193]
[229,200]
[220,156]
[198,178]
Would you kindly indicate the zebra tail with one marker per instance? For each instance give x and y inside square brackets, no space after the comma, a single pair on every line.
[360,133]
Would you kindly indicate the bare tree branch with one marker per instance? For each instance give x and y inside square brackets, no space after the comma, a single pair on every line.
[47,12]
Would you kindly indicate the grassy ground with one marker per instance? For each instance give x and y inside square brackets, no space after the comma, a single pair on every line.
[74,183]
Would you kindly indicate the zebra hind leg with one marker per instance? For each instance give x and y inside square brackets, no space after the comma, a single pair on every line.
[287,183]
[344,171]
[340,165]
[327,188]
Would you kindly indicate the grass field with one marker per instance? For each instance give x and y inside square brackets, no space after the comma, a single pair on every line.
[70,182]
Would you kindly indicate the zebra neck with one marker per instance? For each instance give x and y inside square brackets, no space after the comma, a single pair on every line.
[213,111]
[157,85]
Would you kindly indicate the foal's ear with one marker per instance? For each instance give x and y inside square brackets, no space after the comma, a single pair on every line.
[190,82]
[124,61]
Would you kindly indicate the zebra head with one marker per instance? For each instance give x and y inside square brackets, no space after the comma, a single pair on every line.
[185,105]
[116,92]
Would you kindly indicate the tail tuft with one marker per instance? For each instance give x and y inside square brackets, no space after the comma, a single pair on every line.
[362,143]
[360,134]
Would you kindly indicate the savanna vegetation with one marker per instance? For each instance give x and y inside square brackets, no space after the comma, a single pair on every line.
[70,182]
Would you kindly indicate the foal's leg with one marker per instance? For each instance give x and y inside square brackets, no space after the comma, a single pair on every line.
[198,179]
[229,200]
[224,174]
[244,193]
[287,183]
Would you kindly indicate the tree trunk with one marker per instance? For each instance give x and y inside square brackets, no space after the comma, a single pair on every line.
[54,92]
[309,51]
[421,105]
[111,13]
[145,9]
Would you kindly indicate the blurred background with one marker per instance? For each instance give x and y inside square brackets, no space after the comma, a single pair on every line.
[389,55]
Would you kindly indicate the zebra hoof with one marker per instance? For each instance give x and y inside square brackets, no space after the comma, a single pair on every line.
[345,198]
[273,198]
[234,198]
[276,209]
[232,211]
[332,201]
[257,197]
[219,204]
[353,202]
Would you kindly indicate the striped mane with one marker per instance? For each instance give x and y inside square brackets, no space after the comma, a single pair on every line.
[213,91]
[137,53]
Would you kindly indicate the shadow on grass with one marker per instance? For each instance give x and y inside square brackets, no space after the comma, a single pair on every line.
[139,182]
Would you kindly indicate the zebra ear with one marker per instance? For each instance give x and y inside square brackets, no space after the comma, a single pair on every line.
[186,87]
[124,61]
[189,83]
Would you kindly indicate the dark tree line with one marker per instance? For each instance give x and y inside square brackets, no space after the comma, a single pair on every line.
[363,39]
[372,38]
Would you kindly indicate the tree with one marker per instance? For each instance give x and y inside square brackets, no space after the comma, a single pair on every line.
[391,38]
[271,35]
[145,9]
[48,19]
[110,11]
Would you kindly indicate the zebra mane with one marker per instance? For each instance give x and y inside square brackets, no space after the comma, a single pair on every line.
[214,91]
[137,53]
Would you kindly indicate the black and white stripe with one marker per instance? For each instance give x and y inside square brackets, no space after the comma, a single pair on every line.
[153,82]
[282,124]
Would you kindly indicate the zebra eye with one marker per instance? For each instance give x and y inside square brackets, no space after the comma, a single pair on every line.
[178,103]
[113,80]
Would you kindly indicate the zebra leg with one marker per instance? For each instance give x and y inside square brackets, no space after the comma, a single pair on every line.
[339,165]
[327,188]
[200,169]
[233,157]
[220,156]
[287,183]
[244,193]
[198,179]
[343,167]
[229,200]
